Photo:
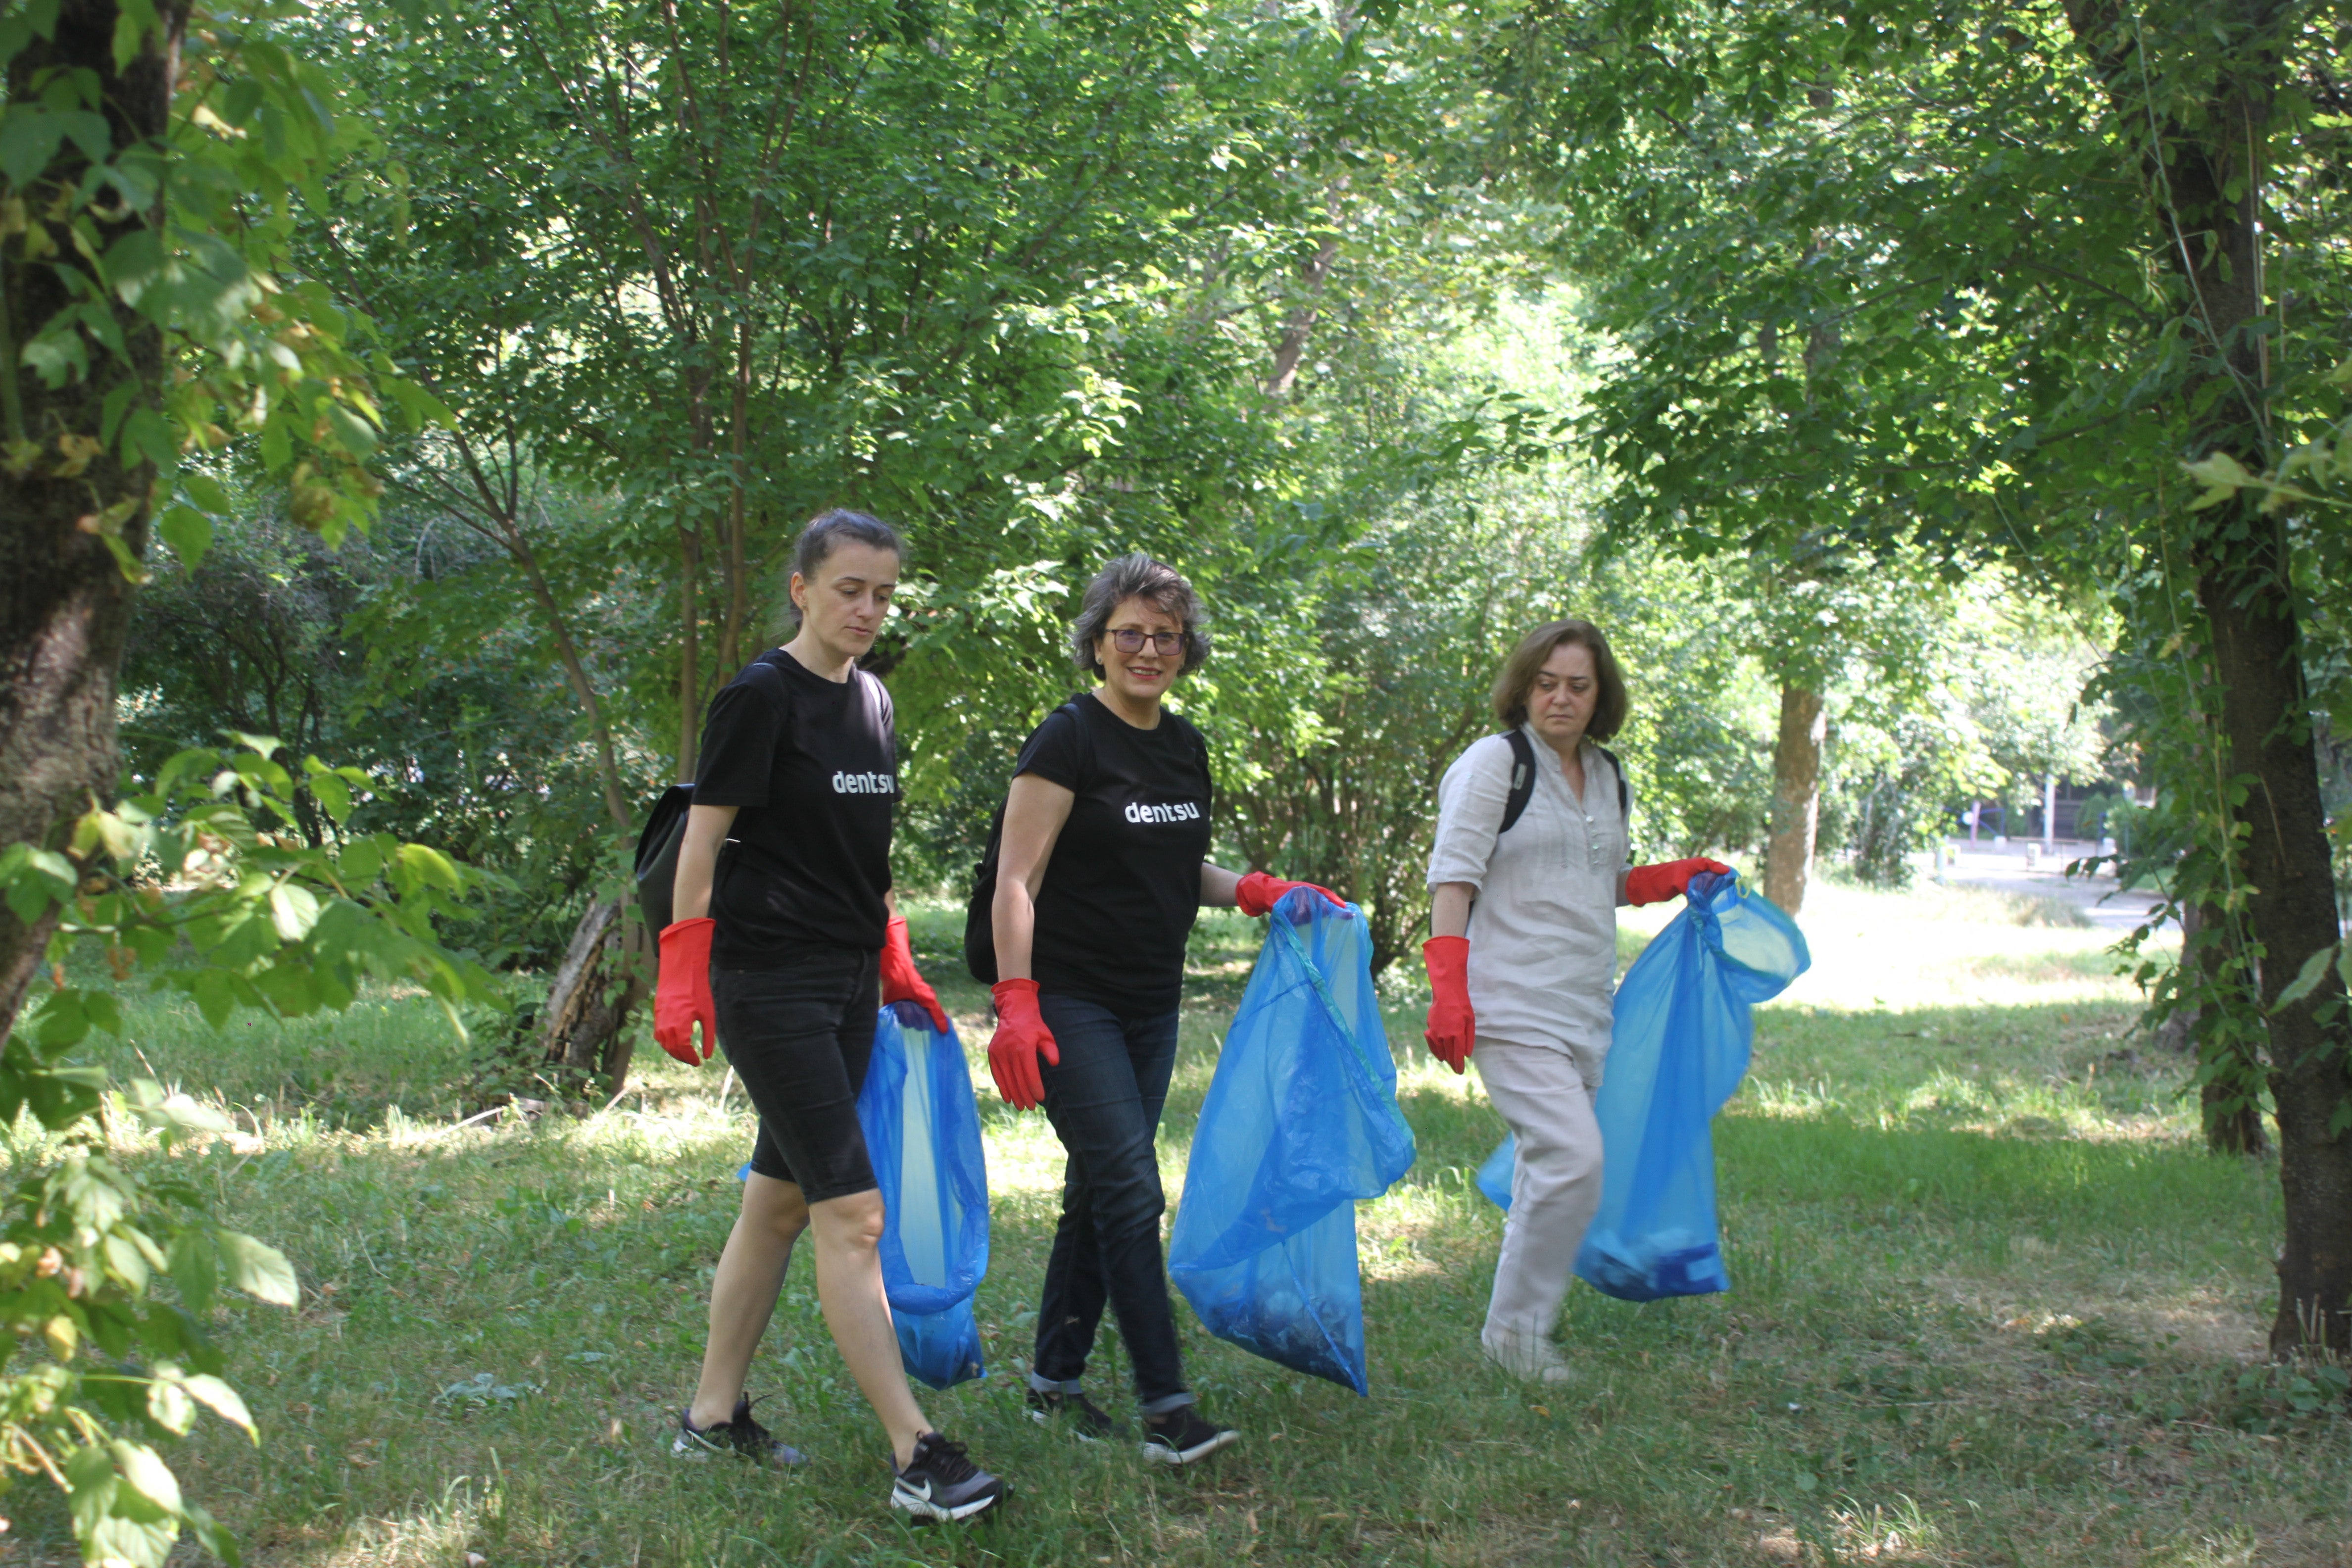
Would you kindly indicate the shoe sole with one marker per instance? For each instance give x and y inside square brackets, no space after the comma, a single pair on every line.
[1080,1433]
[925,1511]
[1161,1453]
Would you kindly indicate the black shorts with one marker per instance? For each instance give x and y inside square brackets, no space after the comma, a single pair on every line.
[799,1033]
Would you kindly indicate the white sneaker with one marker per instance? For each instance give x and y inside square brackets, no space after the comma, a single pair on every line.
[1528,1355]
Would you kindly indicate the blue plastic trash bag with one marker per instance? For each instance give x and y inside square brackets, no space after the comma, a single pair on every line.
[1495,1175]
[923,1133]
[1301,1122]
[1680,1049]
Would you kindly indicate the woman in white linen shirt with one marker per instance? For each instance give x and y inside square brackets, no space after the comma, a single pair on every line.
[1523,955]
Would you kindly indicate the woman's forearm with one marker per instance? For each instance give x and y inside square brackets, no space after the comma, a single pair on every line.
[1012,918]
[1035,811]
[698,859]
[1449,909]
[1218,887]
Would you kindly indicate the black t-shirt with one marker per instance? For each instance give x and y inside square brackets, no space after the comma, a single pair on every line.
[813,764]
[1123,888]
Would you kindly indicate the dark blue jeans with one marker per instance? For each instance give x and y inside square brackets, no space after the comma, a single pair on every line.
[1104,1100]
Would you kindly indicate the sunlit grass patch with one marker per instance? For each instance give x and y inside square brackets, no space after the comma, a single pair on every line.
[1990,1304]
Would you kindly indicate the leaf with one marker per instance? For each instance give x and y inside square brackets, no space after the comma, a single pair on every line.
[356,434]
[125,560]
[293,910]
[145,1470]
[359,862]
[2314,970]
[147,434]
[258,1269]
[133,1534]
[213,1537]
[28,140]
[205,490]
[61,1021]
[188,532]
[169,1406]
[177,1114]
[430,866]
[195,1269]
[334,797]
[215,997]
[222,1400]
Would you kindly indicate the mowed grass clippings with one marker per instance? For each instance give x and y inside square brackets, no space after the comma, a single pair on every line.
[1991,1305]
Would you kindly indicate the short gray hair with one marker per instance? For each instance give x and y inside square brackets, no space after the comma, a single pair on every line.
[1136,576]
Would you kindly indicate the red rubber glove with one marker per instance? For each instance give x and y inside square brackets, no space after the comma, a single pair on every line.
[1656,884]
[901,981]
[1453,1026]
[1259,892]
[1019,1039]
[682,996]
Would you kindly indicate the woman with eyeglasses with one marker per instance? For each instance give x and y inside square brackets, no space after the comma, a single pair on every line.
[1522,954]
[1101,869]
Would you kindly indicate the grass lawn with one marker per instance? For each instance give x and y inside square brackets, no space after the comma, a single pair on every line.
[1990,1304]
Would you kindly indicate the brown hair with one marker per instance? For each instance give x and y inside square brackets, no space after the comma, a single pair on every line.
[1517,676]
[1138,577]
[829,528]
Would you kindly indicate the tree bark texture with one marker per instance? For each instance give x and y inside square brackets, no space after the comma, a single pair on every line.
[2265,721]
[64,602]
[599,983]
[1796,797]
[2202,163]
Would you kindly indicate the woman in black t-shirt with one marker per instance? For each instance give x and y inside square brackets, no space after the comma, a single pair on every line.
[1102,868]
[787,848]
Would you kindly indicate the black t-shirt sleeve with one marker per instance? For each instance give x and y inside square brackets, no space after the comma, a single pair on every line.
[739,747]
[1053,752]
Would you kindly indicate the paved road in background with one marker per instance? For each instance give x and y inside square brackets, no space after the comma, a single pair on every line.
[1984,865]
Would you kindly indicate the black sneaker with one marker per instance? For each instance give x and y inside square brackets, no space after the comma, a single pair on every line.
[739,1433]
[1086,1421]
[941,1482]
[1184,1436]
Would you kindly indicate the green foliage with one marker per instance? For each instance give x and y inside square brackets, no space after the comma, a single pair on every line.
[395,654]
[202,879]
[259,359]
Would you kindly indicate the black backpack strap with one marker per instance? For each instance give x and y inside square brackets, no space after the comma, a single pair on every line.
[1523,784]
[1523,779]
[1624,798]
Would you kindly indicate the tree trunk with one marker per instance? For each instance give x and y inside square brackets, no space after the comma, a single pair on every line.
[2265,721]
[2202,163]
[583,1030]
[65,599]
[1796,797]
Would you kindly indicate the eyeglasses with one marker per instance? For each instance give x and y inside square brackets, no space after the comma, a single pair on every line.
[1127,639]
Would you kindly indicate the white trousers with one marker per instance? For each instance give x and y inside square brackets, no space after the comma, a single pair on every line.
[1555,1187]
